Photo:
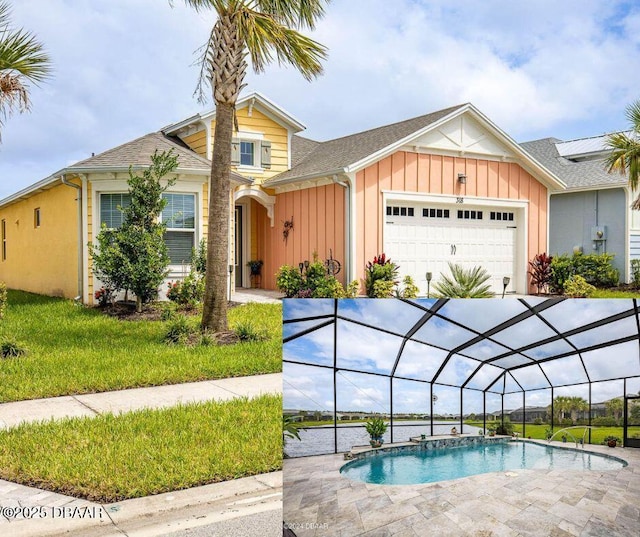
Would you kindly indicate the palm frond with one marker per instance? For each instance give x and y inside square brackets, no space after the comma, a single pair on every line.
[296,14]
[633,115]
[464,283]
[267,39]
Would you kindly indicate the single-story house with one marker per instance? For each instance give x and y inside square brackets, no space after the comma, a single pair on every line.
[446,186]
[593,214]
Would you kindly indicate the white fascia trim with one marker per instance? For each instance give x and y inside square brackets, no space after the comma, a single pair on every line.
[392,148]
[552,181]
[421,150]
[265,105]
[301,178]
[588,189]
[450,199]
[289,147]
[173,127]
[125,169]
[49,181]
[208,137]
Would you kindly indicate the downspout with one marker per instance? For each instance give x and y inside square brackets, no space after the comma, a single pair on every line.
[347,184]
[80,268]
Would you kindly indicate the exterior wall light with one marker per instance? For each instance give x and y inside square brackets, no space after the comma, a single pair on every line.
[505,283]
[462,179]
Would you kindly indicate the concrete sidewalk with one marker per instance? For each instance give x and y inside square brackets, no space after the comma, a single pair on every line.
[95,404]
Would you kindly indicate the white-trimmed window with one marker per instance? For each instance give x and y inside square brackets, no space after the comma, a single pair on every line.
[180,217]
[110,204]
[251,151]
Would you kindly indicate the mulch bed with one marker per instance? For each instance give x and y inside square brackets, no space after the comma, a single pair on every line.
[126,311]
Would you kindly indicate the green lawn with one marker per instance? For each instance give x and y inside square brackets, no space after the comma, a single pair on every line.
[73,350]
[538,432]
[112,458]
[609,293]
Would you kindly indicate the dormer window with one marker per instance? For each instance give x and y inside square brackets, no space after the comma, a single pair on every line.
[247,153]
[251,152]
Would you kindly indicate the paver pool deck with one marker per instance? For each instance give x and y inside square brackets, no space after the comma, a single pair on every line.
[319,501]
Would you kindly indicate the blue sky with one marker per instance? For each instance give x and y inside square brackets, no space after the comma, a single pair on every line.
[124,68]
[361,350]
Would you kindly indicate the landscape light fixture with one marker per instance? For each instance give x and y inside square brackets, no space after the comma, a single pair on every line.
[505,282]
[462,179]
[230,273]
[429,275]
[301,266]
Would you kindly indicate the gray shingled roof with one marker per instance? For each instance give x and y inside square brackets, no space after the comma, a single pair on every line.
[300,148]
[576,175]
[333,155]
[138,153]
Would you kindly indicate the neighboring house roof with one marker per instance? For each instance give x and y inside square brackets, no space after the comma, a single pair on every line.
[335,155]
[137,154]
[579,163]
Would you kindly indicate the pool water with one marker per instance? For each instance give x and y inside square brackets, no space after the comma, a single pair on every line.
[431,465]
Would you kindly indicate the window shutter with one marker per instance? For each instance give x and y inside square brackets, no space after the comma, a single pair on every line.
[235,152]
[265,156]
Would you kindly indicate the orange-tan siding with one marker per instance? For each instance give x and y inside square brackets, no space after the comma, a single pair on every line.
[318,216]
[433,174]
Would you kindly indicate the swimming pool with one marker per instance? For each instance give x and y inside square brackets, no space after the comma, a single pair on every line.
[413,466]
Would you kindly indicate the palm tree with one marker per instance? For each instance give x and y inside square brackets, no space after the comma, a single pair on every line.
[625,150]
[615,407]
[264,30]
[577,404]
[22,60]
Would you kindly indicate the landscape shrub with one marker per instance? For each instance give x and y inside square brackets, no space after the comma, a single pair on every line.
[178,331]
[381,269]
[635,272]
[540,271]
[464,283]
[605,421]
[248,332]
[538,421]
[409,289]
[577,287]
[188,292]
[312,282]
[11,349]
[596,269]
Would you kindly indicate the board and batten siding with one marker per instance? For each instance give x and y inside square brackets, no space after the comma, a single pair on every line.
[435,174]
[318,226]
[42,259]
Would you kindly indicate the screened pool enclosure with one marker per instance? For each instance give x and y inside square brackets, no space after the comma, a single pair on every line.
[428,365]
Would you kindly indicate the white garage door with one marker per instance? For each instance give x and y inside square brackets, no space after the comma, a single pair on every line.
[425,237]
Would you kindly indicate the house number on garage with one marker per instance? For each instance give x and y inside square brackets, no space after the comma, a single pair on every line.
[459,200]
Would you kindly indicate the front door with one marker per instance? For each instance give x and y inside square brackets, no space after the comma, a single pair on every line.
[632,421]
[239,264]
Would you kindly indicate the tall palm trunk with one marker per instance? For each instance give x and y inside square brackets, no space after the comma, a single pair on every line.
[227,69]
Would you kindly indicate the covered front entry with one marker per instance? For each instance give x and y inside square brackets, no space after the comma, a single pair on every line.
[424,237]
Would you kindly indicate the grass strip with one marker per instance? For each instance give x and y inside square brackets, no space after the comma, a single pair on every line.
[75,350]
[114,457]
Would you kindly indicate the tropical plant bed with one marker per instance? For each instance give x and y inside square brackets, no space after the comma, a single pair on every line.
[112,458]
[72,350]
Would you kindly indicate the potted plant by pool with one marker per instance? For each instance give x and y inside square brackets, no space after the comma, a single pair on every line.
[611,440]
[376,427]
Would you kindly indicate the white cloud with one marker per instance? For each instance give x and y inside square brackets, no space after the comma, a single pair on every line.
[124,68]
